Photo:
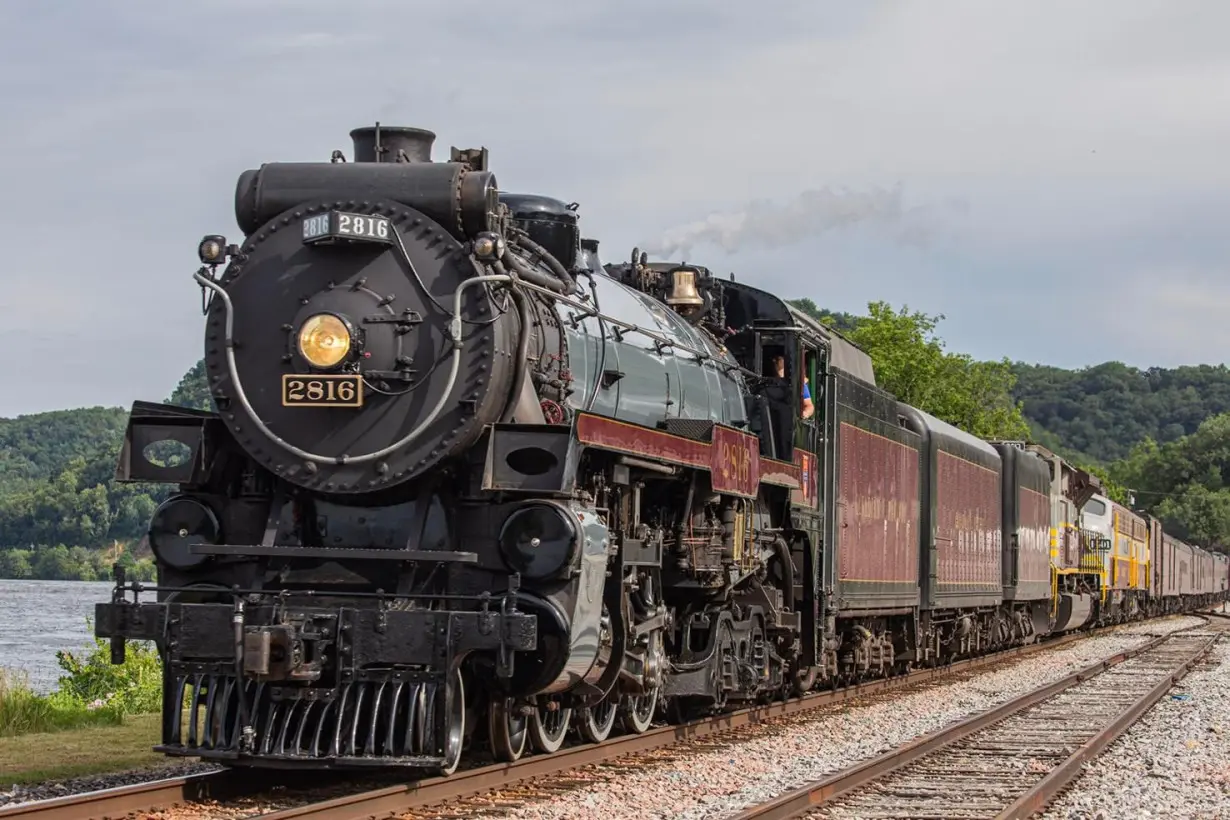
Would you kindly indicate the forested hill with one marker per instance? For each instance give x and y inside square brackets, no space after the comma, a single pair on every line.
[62,515]
[1101,412]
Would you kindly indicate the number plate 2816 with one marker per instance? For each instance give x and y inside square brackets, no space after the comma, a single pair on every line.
[334,225]
[322,391]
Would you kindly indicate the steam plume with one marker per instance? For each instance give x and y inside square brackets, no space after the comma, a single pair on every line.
[767,224]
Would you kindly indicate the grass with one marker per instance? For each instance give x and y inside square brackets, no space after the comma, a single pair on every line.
[24,711]
[100,718]
[91,692]
[88,750]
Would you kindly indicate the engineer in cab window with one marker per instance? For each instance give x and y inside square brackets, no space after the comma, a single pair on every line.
[779,367]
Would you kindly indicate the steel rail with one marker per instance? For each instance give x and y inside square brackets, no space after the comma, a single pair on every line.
[800,801]
[228,784]
[139,797]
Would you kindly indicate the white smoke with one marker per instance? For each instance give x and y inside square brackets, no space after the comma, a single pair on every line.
[767,224]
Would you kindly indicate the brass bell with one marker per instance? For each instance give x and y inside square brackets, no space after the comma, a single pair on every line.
[683,290]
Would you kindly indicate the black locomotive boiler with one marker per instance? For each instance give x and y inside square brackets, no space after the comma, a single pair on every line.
[464,486]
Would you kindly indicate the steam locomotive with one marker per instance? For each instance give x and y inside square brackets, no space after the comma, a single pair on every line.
[465,486]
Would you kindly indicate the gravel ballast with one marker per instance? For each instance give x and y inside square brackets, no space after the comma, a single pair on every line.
[718,783]
[1173,762]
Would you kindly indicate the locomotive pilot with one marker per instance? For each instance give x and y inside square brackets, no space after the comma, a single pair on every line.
[779,367]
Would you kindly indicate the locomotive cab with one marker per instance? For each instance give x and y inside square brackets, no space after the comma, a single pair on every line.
[773,396]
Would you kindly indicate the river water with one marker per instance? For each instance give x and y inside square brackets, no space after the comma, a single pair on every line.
[38,618]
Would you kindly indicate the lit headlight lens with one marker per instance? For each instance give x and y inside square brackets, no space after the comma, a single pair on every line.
[324,340]
[539,541]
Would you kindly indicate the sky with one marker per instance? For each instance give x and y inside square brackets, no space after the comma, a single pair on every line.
[1051,177]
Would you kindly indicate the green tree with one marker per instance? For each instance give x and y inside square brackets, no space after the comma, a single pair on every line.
[1199,515]
[55,564]
[841,322]
[15,564]
[133,510]
[193,389]
[1185,482]
[911,363]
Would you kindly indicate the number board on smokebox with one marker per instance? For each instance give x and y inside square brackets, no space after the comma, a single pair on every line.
[335,225]
[328,390]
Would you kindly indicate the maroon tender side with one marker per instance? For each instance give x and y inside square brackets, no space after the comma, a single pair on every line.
[880,504]
[967,532]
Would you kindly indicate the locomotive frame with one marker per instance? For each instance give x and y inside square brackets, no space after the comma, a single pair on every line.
[597,503]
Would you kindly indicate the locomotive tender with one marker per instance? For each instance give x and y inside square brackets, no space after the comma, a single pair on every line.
[466,485]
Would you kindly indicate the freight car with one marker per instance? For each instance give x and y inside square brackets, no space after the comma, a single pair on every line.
[465,486]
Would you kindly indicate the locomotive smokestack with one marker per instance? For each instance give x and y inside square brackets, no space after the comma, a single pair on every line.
[392,143]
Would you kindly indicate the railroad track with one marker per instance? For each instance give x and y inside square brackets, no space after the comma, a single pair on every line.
[231,785]
[1012,760]
[221,787]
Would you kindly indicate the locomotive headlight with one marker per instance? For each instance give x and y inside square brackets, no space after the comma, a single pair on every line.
[324,340]
[539,540]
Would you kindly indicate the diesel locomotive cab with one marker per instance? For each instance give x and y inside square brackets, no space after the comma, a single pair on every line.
[336,585]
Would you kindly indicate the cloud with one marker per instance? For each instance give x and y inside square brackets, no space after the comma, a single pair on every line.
[816,148]
[960,91]
[1197,299]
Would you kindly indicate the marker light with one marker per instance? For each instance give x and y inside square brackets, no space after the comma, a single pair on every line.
[212,249]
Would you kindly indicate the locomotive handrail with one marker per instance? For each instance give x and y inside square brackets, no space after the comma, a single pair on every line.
[454,332]
[593,293]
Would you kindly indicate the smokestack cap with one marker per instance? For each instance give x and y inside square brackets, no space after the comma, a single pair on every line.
[415,142]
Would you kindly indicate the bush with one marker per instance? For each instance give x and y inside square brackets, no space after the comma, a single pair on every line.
[134,687]
[91,692]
